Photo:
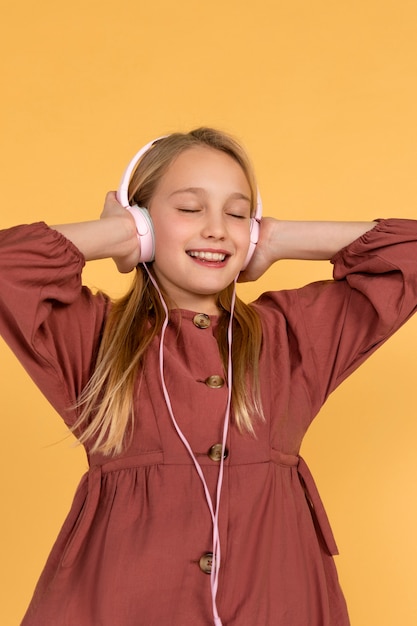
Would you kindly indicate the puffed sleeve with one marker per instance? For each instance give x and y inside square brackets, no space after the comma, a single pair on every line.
[333,326]
[50,321]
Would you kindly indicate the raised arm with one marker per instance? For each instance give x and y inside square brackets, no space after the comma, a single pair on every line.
[113,235]
[281,239]
[51,322]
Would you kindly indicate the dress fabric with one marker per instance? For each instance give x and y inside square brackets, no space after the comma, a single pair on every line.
[128,553]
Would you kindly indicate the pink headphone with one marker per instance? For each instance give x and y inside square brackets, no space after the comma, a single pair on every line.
[143,220]
[147,244]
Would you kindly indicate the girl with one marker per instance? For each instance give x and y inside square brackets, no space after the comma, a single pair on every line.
[197,508]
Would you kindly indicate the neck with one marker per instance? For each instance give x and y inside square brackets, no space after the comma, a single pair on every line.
[199,305]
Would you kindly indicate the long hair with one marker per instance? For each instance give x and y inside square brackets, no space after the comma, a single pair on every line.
[105,422]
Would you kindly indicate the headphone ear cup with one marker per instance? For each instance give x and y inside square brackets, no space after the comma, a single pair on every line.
[254,236]
[145,232]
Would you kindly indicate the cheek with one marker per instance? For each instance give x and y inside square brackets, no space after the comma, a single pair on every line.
[168,242]
[163,234]
[243,237]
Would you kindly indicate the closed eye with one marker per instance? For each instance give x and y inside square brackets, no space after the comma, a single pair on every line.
[238,216]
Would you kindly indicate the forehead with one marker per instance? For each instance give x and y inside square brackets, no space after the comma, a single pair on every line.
[207,168]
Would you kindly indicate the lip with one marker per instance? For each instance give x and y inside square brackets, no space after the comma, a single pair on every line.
[213,250]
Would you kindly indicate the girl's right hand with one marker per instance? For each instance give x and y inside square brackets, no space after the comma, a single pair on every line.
[129,254]
[263,256]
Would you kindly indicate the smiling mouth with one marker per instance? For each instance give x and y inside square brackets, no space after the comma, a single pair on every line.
[207,256]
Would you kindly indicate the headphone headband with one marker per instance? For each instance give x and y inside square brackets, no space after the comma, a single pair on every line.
[123,191]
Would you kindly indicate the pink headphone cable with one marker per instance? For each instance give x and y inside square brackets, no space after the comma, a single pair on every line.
[214,576]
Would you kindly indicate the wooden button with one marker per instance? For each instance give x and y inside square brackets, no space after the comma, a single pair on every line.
[215,381]
[201,320]
[206,562]
[215,452]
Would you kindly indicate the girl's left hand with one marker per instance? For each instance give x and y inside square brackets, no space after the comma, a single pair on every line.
[263,257]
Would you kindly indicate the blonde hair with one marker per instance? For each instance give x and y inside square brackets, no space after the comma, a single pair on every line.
[106,403]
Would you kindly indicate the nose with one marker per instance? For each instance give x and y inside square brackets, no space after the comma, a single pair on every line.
[214,226]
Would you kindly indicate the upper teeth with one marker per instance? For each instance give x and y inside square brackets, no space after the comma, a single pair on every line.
[208,256]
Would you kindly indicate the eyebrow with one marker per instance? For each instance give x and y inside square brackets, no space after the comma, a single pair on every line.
[200,191]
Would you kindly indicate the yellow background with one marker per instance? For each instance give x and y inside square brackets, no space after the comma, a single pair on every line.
[323,95]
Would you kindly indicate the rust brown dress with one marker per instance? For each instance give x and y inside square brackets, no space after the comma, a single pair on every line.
[129,551]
